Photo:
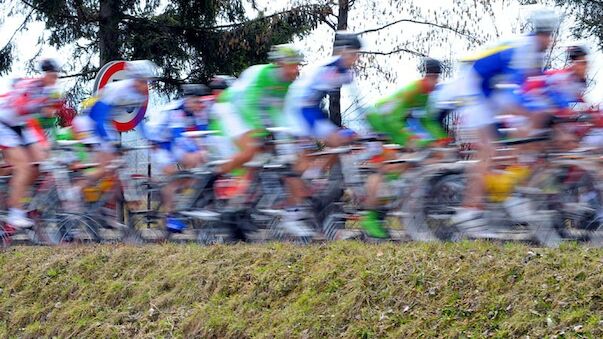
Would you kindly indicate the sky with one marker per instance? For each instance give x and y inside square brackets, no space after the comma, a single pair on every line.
[366,14]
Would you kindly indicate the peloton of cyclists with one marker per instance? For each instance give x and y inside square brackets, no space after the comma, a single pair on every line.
[275,95]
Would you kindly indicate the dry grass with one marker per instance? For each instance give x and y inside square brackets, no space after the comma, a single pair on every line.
[341,289]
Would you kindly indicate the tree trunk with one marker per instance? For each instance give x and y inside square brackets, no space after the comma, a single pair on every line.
[108,32]
[335,97]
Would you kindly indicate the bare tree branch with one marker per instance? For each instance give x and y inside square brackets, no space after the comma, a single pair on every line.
[549,59]
[29,4]
[19,28]
[90,71]
[398,50]
[420,22]
[330,24]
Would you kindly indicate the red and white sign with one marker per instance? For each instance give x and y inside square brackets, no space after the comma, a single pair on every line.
[115,71]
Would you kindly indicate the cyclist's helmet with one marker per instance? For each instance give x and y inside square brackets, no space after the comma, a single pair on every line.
[544,20]
[49,65]
[432,66]
[141,69]
[576,52]
[347,40]
[194,90]
[221,82]
[285,54]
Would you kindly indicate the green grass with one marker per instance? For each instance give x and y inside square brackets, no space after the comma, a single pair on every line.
[341,289]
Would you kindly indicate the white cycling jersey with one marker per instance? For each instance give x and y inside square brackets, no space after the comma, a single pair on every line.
[27,98]
[122,96]
[302,104]
[312,86]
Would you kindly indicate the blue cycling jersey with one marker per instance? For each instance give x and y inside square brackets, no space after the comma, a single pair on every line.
[173,120]
[508,62]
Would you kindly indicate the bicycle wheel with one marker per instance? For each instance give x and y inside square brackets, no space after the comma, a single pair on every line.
[209,233]
[144,220]
[6,233]
[571,194]
[332,219]
[43,210]
[73,229]
[430,205]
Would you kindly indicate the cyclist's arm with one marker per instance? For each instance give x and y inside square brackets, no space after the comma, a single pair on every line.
[100,113]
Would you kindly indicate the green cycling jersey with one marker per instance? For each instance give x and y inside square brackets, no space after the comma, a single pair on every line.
[258,96]
[390,114]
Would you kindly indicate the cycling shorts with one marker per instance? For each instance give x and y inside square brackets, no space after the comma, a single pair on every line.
[16,136]
[310,122]
[234,123]
[477,110]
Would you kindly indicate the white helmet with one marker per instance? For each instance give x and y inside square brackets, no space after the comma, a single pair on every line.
[141,69]
[544,20]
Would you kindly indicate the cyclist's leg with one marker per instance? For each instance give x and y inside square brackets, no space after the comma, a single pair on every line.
[475,184]
[103,156]
[315,125]
[248,147]
[19,159]
[189,157]
[372,218]
[37,152]
[83,128]
[166,164]
[478,116]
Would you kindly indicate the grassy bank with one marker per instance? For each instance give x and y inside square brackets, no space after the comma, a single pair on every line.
[339,289]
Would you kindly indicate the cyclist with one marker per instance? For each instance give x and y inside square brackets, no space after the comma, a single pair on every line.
[403,117]
[556,89]
[172,148]
[28,99]
[255,102]
[303,103]
[508,63]
[95,126]
[306,118]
